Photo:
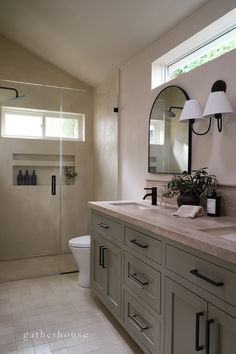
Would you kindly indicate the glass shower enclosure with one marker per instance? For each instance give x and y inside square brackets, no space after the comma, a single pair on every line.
[45,177]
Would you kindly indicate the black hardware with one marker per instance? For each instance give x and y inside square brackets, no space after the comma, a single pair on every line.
[153,195]
[197,346]
[140,327]
[116,110]
[103,225]
[139,244]
[134,276]
[100,255]
[54,185]
[103,257]
[208,335]
[199,275]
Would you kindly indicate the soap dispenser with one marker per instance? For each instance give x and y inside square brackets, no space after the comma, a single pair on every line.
[213,204]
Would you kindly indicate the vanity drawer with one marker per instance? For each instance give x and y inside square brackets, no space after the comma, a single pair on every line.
[143,280]
[145,245]
[142,323]
[108,227]
[211,277]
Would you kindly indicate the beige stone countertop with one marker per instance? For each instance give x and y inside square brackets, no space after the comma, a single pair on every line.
[160,220]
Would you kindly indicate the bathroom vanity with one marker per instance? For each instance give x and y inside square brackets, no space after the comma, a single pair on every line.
[170,282]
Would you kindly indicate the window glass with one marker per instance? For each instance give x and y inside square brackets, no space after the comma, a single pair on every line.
[22,125]
[62,127]
[217,47]
[157,132]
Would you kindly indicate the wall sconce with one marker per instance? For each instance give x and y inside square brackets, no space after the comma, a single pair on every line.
[217,104]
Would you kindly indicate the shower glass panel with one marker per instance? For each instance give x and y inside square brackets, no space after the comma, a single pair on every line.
[37,214]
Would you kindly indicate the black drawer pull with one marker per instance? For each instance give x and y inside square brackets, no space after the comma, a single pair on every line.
[208,335]
[199,275]
[103,225]
[139,244]
[103,257]
[135,278]
[197,346]
[140,327]
[100,255]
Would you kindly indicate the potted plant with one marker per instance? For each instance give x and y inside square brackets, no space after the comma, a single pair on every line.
[191,189]
[69,174]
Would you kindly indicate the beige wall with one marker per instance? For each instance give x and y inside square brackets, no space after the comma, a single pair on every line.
[30,216]
[136,97]
[105,139]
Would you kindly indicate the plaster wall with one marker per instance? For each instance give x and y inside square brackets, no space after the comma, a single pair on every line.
[136,97]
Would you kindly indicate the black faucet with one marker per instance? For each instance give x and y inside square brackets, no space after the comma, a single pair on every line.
[153,195]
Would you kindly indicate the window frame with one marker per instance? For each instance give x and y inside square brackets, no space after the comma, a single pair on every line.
[80,117]
[200,45]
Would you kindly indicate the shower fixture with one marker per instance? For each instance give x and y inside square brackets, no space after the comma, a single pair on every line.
[169,112]
[16,93]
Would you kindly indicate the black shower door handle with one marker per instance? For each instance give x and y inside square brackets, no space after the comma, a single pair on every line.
[54,192]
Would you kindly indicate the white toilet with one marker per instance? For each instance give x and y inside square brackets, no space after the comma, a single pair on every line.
[80,247]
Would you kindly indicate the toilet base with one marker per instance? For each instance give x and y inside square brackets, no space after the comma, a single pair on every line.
[84,282]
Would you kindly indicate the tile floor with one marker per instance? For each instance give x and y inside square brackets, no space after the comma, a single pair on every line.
[54,315]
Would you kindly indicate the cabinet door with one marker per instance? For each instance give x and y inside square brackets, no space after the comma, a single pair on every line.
[113,260]
[222,332]
[184,310]
[98,273]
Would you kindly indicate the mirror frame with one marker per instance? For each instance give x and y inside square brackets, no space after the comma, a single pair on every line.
[189,135]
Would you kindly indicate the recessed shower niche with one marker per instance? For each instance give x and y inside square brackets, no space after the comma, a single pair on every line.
[44,165]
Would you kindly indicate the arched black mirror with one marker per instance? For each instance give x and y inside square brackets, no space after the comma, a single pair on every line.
[170,143]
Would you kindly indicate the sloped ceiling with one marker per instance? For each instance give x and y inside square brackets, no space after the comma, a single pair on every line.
[90,38]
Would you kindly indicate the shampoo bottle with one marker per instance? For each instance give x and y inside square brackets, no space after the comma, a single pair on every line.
[213,204]
[26,178]
[33,179]
[20,180]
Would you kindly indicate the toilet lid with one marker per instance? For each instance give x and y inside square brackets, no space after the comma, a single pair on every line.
[81,241]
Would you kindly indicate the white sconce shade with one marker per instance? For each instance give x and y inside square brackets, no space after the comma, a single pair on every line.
[217,103]
[191,110]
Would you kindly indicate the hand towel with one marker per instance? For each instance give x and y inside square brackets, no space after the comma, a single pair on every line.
[189,211]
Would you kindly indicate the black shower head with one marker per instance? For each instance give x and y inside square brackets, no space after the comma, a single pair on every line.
[16,93]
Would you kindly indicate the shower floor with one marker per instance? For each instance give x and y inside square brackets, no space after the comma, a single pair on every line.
[54,315]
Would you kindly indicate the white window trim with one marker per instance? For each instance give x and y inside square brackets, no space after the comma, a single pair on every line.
[44,113]
[223,24]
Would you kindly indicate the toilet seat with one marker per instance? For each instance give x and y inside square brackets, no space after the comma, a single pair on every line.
[80,242]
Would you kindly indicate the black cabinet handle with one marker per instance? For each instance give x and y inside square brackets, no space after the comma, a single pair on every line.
[140,326]
[201,276]
[103,257]
[208,335]
[103,225]
[100,255]
[135,278]
[139,244]
[54,185]
[197,346]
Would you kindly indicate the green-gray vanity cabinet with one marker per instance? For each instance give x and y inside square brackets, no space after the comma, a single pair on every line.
[150,285]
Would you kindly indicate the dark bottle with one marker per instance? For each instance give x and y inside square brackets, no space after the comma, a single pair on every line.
[20,180]
[26,178]
[33,179]
[213,204]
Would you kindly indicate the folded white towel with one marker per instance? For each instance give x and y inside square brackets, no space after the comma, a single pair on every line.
[189,211]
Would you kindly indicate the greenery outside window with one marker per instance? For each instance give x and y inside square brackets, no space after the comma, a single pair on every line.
[38,124]
[222,44]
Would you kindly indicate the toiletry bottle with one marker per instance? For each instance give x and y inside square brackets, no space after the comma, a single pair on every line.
[26,178]
[33,179]
[20,180]
[213,204]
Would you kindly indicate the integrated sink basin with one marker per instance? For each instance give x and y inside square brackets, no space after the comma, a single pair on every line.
[226,232]
[131,206]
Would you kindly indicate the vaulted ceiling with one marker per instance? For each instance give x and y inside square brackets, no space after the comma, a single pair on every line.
[90,38]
